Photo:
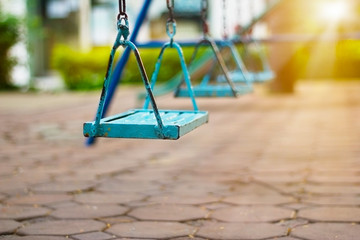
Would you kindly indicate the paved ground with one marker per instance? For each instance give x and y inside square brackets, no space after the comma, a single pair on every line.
[265,167]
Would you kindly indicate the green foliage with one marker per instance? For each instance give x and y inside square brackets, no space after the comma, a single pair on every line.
[170,65]
[9,36]
[251,56]
[347,59]
[79,70]
[86,71]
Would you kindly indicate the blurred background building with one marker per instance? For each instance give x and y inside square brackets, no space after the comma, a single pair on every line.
[85,24]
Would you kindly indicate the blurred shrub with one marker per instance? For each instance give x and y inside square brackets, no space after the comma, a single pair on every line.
[86,71]
[347,59]
[80,71]
[9,36]
[250,55]
[170,64]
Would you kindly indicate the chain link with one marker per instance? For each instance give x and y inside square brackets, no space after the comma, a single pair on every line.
[122,10]
[171,23]
[204,9]
[170,5]
[225,30]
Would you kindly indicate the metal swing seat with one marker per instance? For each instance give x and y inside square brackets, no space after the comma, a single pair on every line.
[241,74]
[143,123]
[265,74]
[227,88]
[208,88]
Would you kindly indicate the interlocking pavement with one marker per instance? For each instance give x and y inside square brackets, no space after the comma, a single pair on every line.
[266,166]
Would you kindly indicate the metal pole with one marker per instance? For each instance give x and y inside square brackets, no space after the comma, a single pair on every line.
[122,62]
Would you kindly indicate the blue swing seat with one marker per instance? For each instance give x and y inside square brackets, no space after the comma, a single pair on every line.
[144,123]
[255,77]
[264,76]
[224,90]
[141,123]
[227,88]
[241,74]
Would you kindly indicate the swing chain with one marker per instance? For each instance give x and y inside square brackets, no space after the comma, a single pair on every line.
[123,22]
[122,10]
[204,9]
[170,5]
[225,32]
[171,23]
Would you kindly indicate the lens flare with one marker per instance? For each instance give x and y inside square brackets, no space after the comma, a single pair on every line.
[334,11]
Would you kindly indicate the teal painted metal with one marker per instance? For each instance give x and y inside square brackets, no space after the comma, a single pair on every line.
[185,72]
[116,76]
[266,74]
[241,74]
[216,89]
[141,123]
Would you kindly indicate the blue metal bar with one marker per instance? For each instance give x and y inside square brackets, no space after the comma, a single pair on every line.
[121,64]
[193,43]
[190,43]
[184,70]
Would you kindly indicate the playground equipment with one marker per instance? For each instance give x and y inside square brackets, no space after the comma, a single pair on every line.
[263,73]
[144,123]
[217,89]
[170,85]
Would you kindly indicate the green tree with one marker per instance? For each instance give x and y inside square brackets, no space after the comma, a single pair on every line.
[9,36]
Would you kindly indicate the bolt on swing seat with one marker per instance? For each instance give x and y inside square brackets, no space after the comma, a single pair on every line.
[227,88]
[141,123]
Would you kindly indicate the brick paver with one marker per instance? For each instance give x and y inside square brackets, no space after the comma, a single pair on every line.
[156,230]
[335,214]
[38,199]
[331,231]
[252,214]
[89,211]
[333,200]
[183,199]
[265,167]
[62,187]
[33,238]
[107,198]
[22,212]
[94,236]
[229,231]
[169,212]
[2,197]
[259,199]
[61,227]
[8,226]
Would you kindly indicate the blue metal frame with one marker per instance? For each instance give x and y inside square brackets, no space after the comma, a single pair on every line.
[184,71]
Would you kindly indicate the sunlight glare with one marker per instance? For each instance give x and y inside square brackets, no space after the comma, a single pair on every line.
[334,11]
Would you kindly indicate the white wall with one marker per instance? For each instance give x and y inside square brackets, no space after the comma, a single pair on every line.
[236,12]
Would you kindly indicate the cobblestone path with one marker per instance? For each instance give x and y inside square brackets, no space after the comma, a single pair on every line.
[264,167]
